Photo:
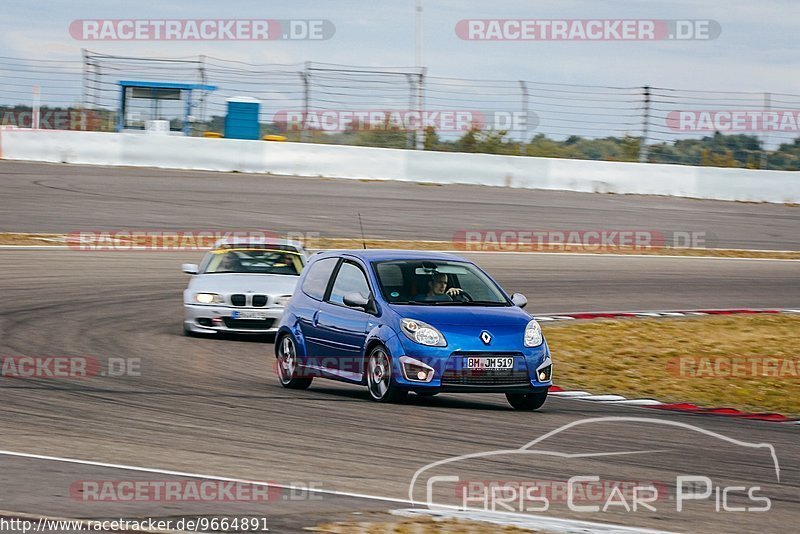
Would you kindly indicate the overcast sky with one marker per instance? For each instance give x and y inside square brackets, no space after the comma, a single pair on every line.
[756,51]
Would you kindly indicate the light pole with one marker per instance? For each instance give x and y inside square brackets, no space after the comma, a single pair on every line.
[418,68]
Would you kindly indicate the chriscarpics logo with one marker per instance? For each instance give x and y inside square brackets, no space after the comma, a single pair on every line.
[585,473]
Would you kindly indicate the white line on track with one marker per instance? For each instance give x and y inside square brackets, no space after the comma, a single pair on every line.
[531,521]
[169,472]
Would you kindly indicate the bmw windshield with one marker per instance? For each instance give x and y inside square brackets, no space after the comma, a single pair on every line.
[437,283]
[254,261]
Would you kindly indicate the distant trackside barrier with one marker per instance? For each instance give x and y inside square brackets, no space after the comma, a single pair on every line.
[304,159]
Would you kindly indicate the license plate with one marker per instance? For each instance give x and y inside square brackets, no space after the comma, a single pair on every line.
[249,314]
[503,362]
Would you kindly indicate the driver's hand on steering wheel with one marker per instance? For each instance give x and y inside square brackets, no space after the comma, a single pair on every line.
[453,291]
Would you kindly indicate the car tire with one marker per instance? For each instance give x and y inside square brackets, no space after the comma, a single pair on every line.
[526,401]
[381,385]
[286,363]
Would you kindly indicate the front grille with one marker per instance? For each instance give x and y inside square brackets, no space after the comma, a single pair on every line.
[259,301]
[238,299]
[248,324]
[456,374]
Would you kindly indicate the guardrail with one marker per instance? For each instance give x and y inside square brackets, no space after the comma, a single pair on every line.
[336,161]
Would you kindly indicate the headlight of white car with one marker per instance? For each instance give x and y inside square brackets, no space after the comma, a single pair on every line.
[533,334]
[283,300]
[422,333]
[208,298]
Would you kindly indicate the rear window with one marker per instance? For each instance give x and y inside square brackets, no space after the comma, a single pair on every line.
[317,277]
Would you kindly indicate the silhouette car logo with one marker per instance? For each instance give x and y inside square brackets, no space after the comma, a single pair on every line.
[486,337]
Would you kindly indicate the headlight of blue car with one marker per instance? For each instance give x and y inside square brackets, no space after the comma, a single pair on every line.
[422,333]
[533,334]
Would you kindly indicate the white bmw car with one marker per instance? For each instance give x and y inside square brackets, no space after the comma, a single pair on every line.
[241,286]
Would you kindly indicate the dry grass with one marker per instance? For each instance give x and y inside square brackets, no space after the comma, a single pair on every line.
[25,238]
[416,526]
[642,358]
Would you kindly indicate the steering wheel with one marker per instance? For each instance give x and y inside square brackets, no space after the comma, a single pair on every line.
[463,296]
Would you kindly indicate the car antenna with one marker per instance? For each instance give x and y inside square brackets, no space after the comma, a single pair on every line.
[363,240]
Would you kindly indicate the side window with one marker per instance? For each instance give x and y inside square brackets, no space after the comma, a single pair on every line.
[316,280]
[349,279]
[392,283]
[206,260]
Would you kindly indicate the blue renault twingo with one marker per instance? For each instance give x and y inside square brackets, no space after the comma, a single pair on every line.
[400,321]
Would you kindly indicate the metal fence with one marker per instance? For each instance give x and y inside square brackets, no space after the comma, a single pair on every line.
[522,108]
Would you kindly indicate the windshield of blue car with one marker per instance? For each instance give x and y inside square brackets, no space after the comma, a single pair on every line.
[254,261]
[437,283]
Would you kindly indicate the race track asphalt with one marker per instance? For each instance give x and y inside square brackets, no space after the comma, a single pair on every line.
[213,406]
[65,198]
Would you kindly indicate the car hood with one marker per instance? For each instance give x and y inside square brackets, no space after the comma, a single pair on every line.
[476,316]
[274,284]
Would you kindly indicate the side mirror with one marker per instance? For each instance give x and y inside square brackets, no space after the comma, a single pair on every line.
[356,300]
[189,268]
[518,299]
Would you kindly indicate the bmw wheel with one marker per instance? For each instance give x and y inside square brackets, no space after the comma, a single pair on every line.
[287,365]
[527,401]
[382,387]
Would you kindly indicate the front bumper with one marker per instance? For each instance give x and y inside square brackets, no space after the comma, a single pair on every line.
[450,375]
[203,319]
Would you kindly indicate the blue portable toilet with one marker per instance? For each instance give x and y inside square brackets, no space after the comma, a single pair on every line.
[241,122]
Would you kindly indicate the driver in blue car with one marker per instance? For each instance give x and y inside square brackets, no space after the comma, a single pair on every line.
[438,290]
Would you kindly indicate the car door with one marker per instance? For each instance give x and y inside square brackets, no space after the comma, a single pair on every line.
[316,282]
[343,330]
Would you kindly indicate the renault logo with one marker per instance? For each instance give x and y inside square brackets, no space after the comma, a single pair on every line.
[486,337]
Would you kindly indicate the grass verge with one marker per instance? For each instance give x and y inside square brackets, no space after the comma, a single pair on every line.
[34,239]
[746,362]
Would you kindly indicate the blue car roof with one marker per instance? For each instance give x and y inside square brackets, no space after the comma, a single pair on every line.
[393,255]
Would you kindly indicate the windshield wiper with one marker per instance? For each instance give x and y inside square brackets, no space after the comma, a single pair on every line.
[468,303]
